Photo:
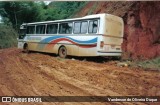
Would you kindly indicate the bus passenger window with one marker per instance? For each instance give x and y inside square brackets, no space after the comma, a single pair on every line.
[40,29]
[93,24]
[84,27]
[52,29]
[65,28]
[30,29]
[77,26]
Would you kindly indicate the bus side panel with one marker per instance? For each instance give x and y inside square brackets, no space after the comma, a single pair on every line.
[87,51]
[67,41]
[89,47]
[50,44]
[32,46]
[33,42]
[77,45]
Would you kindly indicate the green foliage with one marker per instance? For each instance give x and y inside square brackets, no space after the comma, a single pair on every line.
[62,10]
[25,12]
[7,36]
[21,12]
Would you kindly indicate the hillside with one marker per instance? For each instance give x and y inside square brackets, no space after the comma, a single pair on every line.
[37,74]
[142,23]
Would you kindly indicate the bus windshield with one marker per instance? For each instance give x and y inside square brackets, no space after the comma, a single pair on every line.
[22,33]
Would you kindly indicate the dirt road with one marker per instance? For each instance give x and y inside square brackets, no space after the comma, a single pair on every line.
[37,74]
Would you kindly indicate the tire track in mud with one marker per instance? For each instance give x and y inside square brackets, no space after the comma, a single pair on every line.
[76,84]
[87,89]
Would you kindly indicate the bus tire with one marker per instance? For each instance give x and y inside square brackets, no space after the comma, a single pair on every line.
[62,52]
[25,48]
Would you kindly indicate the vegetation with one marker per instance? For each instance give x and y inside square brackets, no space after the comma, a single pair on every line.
[62,10]
[153,64]
[7,36]
[24,12]
[17,12]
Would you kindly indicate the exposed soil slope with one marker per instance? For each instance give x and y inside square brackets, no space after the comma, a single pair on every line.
[36,74]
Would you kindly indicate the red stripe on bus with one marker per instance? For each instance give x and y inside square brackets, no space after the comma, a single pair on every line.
[52,43]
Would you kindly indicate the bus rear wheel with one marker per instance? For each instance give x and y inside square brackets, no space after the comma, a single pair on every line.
[62,52]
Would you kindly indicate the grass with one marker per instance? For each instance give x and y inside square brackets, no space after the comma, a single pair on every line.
[153,64]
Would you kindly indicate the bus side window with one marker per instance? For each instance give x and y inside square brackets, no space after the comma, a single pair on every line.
[65,28]
[80,27]
[77,26]
[30,29]
[52,28]
[93,24]
[84,26]
[40,29]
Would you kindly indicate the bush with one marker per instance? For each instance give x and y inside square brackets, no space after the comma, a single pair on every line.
[8,36]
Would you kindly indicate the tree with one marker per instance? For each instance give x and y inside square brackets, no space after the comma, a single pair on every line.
[25,12]
[22,12]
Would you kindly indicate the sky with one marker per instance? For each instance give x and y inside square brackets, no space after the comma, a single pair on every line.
[47,2]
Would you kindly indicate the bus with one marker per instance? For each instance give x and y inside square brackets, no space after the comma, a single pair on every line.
[92,35]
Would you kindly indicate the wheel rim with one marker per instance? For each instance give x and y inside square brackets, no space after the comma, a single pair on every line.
[62,52]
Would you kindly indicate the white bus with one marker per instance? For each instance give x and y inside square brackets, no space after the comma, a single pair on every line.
[93,35]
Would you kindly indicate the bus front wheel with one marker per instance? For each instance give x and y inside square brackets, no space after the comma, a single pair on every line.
[62,52]
[25,48]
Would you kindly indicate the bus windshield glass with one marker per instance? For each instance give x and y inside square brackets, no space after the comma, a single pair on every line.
[22,33]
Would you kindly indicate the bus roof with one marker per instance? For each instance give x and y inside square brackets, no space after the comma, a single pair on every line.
[63,20]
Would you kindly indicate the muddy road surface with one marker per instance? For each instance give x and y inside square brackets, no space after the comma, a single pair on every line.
[38,74]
